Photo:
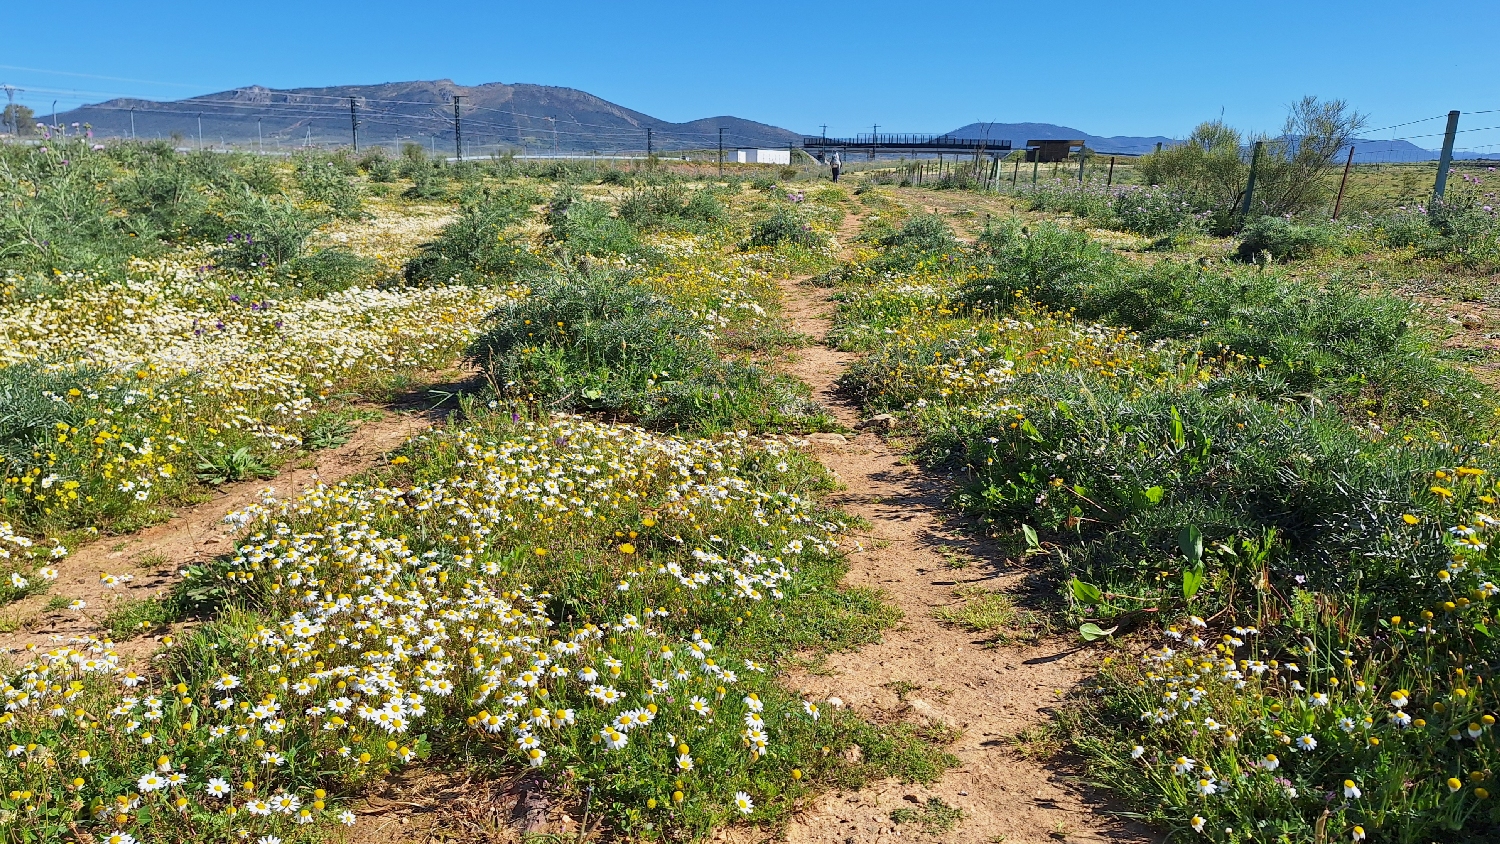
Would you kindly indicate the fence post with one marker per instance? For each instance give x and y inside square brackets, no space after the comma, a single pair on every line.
[1111,180]
[1250,184]
[1082,157]
[1447,158]
[1014,173]
[1339,203]
[1035,163]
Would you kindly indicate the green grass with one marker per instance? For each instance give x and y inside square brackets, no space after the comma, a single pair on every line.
[133,617]
[934,817]
[994,614]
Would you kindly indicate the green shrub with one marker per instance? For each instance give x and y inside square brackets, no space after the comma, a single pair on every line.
[1282,239]
[589,227]
[671,207]
[480,245]
[323,181]
[264,232]
[378,166]
[328,271]
[165,196]
[783,226]
[594,340]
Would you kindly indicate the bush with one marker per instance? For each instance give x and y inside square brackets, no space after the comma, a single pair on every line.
[481,245]
[327,271]
[1155,211]
[1282,239]
[784,225]
[378,166]
[588,227]
[323,181]
[595,340]
[670,207]
[264,232]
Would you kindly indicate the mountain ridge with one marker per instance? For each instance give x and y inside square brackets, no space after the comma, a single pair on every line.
[495,116]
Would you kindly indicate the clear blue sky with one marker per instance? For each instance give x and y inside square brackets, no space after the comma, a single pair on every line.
[1106,68]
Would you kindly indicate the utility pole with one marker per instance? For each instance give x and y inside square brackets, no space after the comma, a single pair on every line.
[200,132]
[54,114]
[132,123]
[10,102]
[874,139]
[1339,203]
[648,144]
[1250,184]
[721,152]
[553,118]
[458,129]
[1442,177]
[259,139]
[353,122]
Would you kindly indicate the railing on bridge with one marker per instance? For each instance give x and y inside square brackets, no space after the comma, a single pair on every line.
[917,143]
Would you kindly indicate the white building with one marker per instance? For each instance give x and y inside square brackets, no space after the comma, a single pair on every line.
[763,156]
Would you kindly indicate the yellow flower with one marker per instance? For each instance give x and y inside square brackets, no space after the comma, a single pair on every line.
[1410,519]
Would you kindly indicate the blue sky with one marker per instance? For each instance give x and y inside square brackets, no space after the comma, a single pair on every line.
[1106,68]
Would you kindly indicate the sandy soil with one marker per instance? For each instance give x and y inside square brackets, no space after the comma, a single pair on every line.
[947,674]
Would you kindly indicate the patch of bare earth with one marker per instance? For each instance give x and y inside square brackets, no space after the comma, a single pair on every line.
[927,670]
[153,557]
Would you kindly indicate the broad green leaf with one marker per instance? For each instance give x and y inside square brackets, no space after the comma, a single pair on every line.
[1032,543]
[1086,593]
[1091,631]
[1190,540]
[1192,581]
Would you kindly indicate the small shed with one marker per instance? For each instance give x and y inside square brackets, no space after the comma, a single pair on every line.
[763,156]
[1048,151]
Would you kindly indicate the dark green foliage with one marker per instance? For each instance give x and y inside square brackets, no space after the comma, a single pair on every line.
[1282,239]
[1365,351]
[1139,468]
[671,207]
[328,271]
[588,227]
[264,232]
[323,180]
[377,165]
[594,340]
[783,226]
[480,245]
[55,211]
[164,196]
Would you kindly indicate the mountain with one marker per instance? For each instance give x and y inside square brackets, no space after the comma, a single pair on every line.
[1019,133]
[494,117]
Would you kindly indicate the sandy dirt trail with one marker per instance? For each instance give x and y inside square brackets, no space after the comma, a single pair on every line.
[153,557]
[943,673]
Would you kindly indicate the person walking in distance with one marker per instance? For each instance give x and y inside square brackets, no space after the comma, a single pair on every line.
[836,164]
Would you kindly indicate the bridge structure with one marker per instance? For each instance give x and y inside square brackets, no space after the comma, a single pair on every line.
[909,144]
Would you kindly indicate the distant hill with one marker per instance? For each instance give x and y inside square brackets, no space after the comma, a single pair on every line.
[495,117]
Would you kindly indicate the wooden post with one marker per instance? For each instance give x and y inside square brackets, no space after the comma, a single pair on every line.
[1035,164]
[1016,172]
[1338,204]
[1111,180]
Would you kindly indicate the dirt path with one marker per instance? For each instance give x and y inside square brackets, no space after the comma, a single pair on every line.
[927,669]
[155,555]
